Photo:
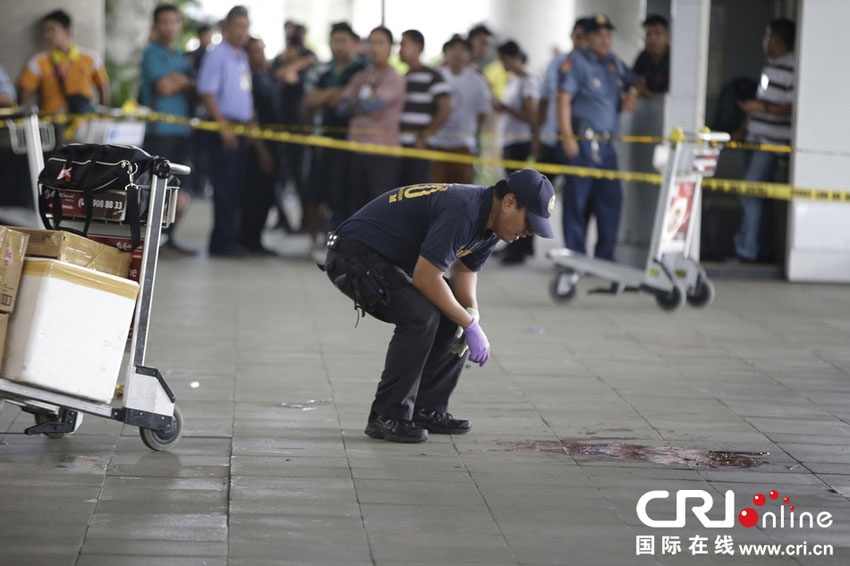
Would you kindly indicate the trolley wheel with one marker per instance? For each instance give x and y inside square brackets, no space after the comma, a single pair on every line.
[562,289]
[159,440]
[41,418]
[671,301]
[703,293]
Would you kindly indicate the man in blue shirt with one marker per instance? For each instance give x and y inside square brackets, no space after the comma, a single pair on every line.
[224,84]
[166,85]
[391,257]
[594,85]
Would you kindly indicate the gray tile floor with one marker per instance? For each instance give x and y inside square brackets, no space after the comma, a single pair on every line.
[581,410]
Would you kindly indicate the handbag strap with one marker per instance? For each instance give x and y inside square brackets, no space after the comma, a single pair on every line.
[60,80]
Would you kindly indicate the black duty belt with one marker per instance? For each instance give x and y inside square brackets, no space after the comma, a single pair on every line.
[369,277]
[344,245]
[591,134]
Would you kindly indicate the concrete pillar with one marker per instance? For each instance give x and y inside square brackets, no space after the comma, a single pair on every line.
[688,65]
[128,26]
[537,26]
[685,105]
[818,237]
[365,15]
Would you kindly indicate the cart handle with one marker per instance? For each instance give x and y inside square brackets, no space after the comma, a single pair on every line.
[714,137]
[163,168]
[177,169]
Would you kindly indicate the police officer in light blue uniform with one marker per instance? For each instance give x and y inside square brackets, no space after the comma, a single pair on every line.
[594,86]
[546,109]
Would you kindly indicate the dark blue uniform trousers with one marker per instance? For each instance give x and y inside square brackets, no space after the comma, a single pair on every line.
[420,370]
[228,179]
[584,196]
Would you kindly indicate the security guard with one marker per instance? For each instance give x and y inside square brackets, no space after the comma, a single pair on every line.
[391,258]
[594,85]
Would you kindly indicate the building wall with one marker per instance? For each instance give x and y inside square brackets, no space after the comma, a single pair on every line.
[818,237]
[538,26]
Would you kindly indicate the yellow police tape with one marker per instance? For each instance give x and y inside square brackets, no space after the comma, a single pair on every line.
[76,119]
[277,133]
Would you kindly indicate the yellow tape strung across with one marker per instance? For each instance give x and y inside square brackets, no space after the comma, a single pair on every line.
[278,133]
[307,129]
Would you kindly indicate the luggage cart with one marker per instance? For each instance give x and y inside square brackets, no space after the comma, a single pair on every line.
[25,132]
[670,273]
[148,402]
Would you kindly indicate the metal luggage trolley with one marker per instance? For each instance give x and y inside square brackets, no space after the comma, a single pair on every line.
[148,402]
[671,274]
[26,132]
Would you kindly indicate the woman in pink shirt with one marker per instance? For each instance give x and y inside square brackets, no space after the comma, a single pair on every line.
[376,98]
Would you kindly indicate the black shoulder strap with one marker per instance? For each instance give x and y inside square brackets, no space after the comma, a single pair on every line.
[133,215]
[59,80]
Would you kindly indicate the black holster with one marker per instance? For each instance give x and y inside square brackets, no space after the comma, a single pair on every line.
[363,275]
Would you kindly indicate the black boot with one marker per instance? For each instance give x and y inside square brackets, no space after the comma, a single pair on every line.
[395,430]
[440,423]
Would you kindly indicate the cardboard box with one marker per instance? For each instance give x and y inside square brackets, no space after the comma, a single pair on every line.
[69,329]
[4,322]
[74,249]
[135,259]
[124,244]
[13,246]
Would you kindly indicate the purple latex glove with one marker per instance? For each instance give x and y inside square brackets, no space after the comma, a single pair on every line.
[479,346]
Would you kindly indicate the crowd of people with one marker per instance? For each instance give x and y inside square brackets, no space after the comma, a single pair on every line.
[569,115]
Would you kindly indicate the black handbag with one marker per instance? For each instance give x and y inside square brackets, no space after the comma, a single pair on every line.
[89,169]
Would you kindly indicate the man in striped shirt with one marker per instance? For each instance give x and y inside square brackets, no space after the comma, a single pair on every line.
[427,106]
[769,123]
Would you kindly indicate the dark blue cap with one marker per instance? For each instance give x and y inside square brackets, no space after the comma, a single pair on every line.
[598,22]
[535,193]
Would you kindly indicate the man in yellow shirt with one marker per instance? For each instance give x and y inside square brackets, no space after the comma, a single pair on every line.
[62,78]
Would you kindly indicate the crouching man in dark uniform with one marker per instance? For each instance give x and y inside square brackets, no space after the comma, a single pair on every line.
[391,258]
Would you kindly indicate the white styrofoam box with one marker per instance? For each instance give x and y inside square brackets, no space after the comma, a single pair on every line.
[69,328]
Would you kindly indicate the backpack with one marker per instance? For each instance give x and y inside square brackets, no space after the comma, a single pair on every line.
[87,170]
[728,116]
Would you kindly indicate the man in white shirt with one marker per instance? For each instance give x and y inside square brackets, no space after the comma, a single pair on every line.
[470,101]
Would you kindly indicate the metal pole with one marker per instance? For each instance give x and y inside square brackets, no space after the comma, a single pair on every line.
[147,277]
[35,158]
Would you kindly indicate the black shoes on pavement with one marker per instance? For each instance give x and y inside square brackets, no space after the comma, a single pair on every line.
[395,430]
[424,421]
[440,423]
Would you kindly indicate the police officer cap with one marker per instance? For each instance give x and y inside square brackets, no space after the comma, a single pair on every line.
[584,23]
[535,193]
[598,22]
